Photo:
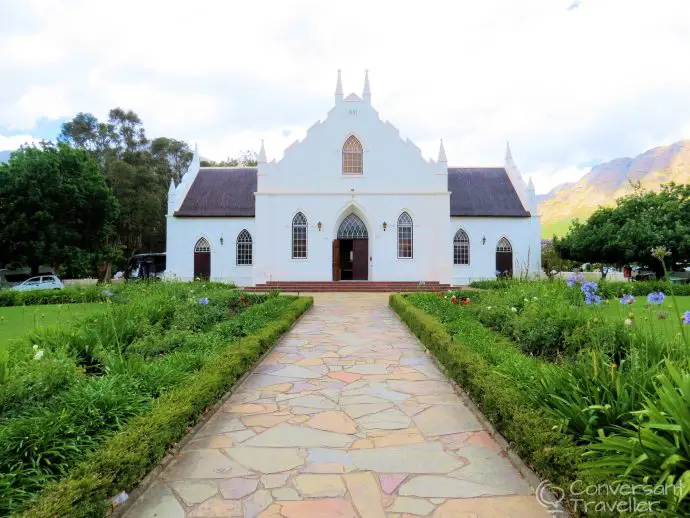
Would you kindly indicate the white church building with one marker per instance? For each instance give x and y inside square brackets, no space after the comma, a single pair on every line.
[353,200]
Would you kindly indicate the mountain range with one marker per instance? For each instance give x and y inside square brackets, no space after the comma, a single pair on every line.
[610,180]
[5,156]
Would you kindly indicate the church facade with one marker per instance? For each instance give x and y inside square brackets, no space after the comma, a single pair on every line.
[353,200]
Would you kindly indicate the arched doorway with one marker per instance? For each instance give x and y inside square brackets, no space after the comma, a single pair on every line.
[504,258]
[202,259]
[351,250]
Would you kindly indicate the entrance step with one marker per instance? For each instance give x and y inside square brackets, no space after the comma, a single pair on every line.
[349,286]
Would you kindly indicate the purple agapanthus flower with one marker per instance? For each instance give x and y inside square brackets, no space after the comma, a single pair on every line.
[627,299]
[592,298]
[589,287]
[656,297]
[203,301]
[686,318]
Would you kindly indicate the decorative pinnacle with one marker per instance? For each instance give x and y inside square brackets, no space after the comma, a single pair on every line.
[367,89]
[442,154]
[339,86]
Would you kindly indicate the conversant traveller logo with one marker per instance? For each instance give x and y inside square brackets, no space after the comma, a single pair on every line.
[608,497]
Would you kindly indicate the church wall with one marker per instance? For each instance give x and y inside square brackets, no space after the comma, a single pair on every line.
[523,234]
[273,258]
[390,163]
[183,233]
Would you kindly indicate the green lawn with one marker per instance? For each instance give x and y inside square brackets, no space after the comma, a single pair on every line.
[16,321]
[663,317]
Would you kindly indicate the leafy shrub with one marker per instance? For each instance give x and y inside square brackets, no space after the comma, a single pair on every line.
[656,450]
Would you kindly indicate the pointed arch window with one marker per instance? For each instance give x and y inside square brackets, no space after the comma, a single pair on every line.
[352,227]
[299,236]
[244,248]
[461,248]
[352,156]
[405,236]
[202,245]
[504,245]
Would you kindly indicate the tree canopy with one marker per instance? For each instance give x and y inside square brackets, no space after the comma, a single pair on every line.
[627,232]
[55,208]
[137,169]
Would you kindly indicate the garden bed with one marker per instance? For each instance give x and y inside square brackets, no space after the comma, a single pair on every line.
[87,410]
[584,388]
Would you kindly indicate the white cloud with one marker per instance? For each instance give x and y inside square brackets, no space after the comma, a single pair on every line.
[565,86]
[15,142]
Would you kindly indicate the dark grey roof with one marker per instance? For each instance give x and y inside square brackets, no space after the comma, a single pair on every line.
[218,192]
[483,191]
[474,191]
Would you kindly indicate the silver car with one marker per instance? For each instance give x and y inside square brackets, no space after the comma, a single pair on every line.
[43,282]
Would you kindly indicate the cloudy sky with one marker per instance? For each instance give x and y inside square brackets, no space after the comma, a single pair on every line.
[569,83]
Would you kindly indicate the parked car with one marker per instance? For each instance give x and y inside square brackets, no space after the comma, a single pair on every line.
[43,282]
[145,266]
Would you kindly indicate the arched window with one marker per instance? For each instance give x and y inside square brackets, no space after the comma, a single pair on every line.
[352,156]
[404,236]
[244,248]
[352,228]
[202,245]
[461,248]
[504,245]
[299,236]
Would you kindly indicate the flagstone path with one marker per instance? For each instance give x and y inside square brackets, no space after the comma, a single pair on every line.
[346,417]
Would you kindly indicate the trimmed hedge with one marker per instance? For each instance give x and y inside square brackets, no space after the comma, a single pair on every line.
[68,295]
[122,461]
[608,289]
[476,368]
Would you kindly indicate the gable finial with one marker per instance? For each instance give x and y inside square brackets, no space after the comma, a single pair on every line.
[509,154]
[530,185]
[261,159]
[339,88]
[366,94]
[442,154]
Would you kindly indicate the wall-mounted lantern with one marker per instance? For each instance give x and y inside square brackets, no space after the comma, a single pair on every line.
[385,226]
[319,225]
[221,240]
[483,240]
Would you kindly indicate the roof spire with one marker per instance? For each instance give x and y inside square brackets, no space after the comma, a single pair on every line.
[530,185]
[509,154]
[366,94]
[442,154]
[261,159]
[339,89]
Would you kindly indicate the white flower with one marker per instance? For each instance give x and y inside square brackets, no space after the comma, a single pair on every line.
[535,298]
[35,347]
[38,355]
[488,307]
[526,300]
[628,321]
[513,309]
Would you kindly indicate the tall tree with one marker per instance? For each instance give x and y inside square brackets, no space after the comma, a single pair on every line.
[627,232]
[55,208]
[137,169]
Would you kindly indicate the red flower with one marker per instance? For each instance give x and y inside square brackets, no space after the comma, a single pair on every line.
[454,300]
[465,302]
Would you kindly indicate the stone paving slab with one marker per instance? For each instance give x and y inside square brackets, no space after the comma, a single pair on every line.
[346,417]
